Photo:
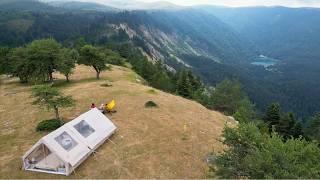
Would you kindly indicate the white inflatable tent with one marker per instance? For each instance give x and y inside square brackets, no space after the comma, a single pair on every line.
[64,149]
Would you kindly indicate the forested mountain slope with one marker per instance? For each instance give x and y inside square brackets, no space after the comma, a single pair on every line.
[161,33]
[214,42]
[281,32]
[289,35]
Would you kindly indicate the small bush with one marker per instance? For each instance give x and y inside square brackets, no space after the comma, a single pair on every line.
[117,61]
[49,125]
[106,84]
[152,91]
[150,104]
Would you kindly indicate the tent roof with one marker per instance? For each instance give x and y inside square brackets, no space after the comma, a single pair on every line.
[99,123]
[76,139]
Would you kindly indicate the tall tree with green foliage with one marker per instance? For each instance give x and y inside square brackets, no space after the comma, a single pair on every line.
[289,127]
[44,54]
[38,60]
[5,66]
[284,124]
[92,56]
[228,96]
[298,130]
[113,57]
[313,127]
[67,62]
[161,80]
[254,155]
[195,82]
[273,116]
[245,111]
[183,84]
[51,98]
[79,43]
[21,67]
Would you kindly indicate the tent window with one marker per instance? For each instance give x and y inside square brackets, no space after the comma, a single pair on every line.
[84,128]
[66,141]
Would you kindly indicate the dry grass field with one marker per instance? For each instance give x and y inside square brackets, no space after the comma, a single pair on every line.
[170,141]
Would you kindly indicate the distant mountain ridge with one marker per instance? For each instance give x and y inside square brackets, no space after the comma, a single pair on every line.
[86,6]
[127,4]
[162,34]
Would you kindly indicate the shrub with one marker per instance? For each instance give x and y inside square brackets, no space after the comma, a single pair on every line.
[254,155]
[150,104]
[152,91]
[49,125]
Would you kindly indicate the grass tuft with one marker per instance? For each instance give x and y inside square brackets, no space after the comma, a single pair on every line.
[150,104]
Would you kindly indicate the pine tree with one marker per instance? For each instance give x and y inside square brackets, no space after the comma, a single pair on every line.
[297,130]
[313,128]
[245,112]
[5,66]
[286,126]
[227,96]
[195,82]
[162,81]
[183,84]
[272,117]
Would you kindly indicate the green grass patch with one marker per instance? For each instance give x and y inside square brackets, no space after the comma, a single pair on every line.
[49,125]
[127,65]
[152,91]
[131,77]
[150,104]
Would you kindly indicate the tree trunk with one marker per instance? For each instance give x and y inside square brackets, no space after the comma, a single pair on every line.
[50,77]
[98,75]
[67,78]
[56,111]
[98,72]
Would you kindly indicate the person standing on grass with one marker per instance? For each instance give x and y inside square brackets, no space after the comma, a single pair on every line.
[93,106]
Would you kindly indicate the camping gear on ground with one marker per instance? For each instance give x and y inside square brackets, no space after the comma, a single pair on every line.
[102,108]
[64,149]
[110,106]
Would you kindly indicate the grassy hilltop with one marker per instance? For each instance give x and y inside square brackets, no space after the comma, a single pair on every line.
[170,141]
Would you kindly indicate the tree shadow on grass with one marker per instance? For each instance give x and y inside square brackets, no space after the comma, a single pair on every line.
[63,83]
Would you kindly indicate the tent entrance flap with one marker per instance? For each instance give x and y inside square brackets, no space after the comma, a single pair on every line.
[42,159]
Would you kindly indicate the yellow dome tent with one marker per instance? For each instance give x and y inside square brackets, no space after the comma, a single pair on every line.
[110,105]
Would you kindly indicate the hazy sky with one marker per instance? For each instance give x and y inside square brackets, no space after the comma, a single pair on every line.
[238,3]
[232,3]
